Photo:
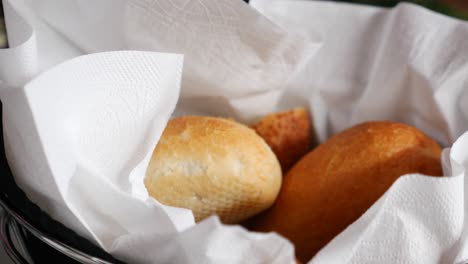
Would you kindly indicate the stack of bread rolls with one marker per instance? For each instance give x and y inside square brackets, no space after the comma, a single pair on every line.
[216,166]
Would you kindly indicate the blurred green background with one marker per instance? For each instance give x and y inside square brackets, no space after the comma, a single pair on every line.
[454,8]
[3,41]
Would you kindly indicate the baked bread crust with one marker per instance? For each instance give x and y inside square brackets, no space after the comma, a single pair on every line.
[213,166]
[336,183]
[289,134]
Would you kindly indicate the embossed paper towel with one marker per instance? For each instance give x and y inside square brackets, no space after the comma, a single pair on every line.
[79,129]
[406,64]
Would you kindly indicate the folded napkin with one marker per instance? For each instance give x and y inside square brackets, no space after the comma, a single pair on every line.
[82,114]
[87,90]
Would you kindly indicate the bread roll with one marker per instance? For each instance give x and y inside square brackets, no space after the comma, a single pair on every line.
[288,133]
[213,166]
[336,183]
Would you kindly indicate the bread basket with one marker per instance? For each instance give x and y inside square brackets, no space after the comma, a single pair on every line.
[25,229]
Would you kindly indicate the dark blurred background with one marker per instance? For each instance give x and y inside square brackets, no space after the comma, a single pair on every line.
[454,8]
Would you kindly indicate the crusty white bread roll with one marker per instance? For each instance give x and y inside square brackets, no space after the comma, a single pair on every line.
[337,182]
[213,166]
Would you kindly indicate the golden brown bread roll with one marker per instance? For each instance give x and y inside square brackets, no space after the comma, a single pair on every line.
[336,183]
[213,166]
[288,133]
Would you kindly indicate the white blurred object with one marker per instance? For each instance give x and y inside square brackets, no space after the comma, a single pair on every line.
[82,116]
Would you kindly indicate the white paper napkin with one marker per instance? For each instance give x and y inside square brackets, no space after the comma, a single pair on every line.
[85,128]
[80,129]
[405,64]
